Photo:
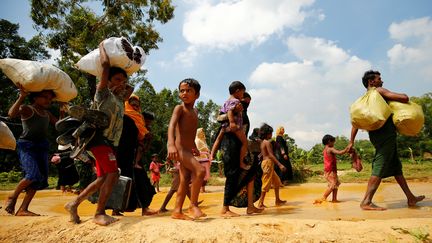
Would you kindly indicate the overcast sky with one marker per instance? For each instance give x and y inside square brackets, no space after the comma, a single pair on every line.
[301,60]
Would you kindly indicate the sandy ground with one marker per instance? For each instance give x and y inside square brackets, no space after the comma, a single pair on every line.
[297,221]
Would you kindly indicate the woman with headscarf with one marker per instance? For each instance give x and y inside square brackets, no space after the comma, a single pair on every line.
[204,157]
[242,187]
[129,157]
[282,154]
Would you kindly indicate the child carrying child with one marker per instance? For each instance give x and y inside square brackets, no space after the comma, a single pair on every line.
[330,169]
[269,176]
[181,147]
[233,108]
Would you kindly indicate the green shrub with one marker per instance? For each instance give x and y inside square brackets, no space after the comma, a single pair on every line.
[14,176]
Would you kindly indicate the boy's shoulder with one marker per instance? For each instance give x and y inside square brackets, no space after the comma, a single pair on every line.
[183,109]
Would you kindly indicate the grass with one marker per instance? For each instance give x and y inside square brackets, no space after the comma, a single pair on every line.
[421,171]
[6,185]
[419,234]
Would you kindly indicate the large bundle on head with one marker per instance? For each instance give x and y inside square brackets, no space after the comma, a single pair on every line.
[36,76]
[370,111]
[407,117]
[7,139]
[121,54]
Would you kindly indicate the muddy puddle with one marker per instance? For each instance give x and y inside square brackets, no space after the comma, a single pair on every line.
[299,202]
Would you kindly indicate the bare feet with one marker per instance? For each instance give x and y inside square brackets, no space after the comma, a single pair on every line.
[371,206]
[104,220]
[116,213]
[253,209]
[280,202]
[335,201]
[10,205]
[261,205]
[412,202]
[196,212]
[229,214]
[26,213]
[148,212]
[180,216]
[319,201]
[163,210]
[72,208]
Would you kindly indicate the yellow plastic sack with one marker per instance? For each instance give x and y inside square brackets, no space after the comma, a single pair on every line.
[370,111]
[407,117]
[7,139]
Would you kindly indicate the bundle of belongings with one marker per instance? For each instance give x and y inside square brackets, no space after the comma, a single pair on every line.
[121,54]
[36,76]
[7,139]
[371,111]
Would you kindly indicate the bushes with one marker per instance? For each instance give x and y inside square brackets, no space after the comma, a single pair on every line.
[10,177]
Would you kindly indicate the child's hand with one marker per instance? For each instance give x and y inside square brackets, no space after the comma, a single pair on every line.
[22,91]
[63,106]
[195,152]
[55,159]
[348,149]
[173,153]
[282,168]
[350,146]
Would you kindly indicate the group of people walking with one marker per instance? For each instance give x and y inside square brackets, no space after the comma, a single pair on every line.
[251,166]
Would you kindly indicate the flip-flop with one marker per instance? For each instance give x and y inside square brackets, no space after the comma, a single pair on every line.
[94,117]
[66,138]
[67,123]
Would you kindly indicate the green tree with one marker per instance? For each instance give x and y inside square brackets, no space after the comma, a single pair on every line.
[421,143]
[75,29]
[14,46]
[365,149]
[207,113]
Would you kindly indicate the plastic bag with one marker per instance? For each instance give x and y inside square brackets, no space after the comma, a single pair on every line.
[121,54]
[356,162]
[370,111]
[407,117]
[7,139]
[36,76]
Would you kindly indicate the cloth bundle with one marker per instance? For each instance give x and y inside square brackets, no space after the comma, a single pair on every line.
[121,54]
[356,162]
[7,139]
[36,76]
[407,117]
[370,111]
